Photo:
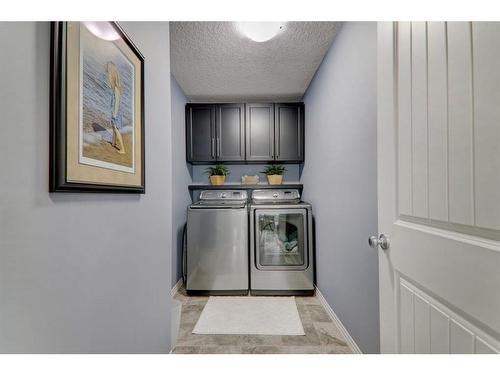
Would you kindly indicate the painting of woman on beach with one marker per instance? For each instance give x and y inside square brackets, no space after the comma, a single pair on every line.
[97,109]
[107,102]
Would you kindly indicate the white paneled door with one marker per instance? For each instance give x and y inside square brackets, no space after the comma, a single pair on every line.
[439,186]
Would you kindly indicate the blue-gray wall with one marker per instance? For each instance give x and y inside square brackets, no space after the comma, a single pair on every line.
[181,177]
[340,178]
[81,273]
[292,174]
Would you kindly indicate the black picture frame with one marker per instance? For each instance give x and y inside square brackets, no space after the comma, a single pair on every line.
[58,119]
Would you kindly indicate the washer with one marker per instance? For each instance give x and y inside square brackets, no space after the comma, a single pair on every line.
[281,243]
[217,243]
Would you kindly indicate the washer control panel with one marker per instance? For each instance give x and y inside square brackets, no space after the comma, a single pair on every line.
[220,195]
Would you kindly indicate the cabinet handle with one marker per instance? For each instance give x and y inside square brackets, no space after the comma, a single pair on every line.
[278,138]
[278,146]
[213,148]
[218,147]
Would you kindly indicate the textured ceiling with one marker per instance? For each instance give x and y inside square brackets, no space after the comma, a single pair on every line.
[212,61]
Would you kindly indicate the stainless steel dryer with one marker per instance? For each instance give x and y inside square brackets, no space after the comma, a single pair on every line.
[281,244]
[217,243]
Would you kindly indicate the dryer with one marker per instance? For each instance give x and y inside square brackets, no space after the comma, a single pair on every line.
[281,243]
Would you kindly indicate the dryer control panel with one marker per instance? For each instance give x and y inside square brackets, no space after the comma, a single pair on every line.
[276,195]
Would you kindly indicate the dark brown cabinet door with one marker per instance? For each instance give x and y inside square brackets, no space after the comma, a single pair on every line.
[200,133]
[230,133]
[260,132]
[289,132]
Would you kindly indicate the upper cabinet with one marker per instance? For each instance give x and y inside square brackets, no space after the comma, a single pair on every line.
[252,132]
[259,132]
[230,132]
[289,132]
[200,133]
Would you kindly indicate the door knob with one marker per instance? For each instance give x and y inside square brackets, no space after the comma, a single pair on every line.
[381,241]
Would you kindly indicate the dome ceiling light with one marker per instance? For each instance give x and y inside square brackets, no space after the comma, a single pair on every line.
[260,31]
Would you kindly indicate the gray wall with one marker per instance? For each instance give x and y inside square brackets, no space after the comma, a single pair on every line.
[340,178]
[181,177]
[80,273]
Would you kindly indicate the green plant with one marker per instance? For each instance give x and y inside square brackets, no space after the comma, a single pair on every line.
[218,170]
[275,169]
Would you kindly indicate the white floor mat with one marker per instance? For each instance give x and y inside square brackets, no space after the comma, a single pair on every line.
[250,316]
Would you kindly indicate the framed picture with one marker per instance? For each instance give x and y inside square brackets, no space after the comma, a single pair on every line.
[97,109]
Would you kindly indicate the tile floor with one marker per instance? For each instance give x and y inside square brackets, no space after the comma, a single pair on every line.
[322,335]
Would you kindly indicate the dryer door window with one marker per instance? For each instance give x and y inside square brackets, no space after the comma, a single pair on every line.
[281,239]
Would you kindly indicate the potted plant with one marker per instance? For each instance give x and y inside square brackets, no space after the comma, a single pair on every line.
[275,174]
[218,174]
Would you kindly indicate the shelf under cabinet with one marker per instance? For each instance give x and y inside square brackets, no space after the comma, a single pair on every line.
[243,187]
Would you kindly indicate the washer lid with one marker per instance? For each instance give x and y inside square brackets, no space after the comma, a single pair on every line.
[219,204]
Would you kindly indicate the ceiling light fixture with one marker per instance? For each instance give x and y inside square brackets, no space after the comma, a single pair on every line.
[260,31]
[102,30]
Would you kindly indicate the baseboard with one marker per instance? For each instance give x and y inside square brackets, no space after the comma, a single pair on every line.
[174,290]
[176,287]
[350,341]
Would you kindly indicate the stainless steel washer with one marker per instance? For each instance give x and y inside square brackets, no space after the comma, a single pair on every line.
[281,244]
[217,243]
